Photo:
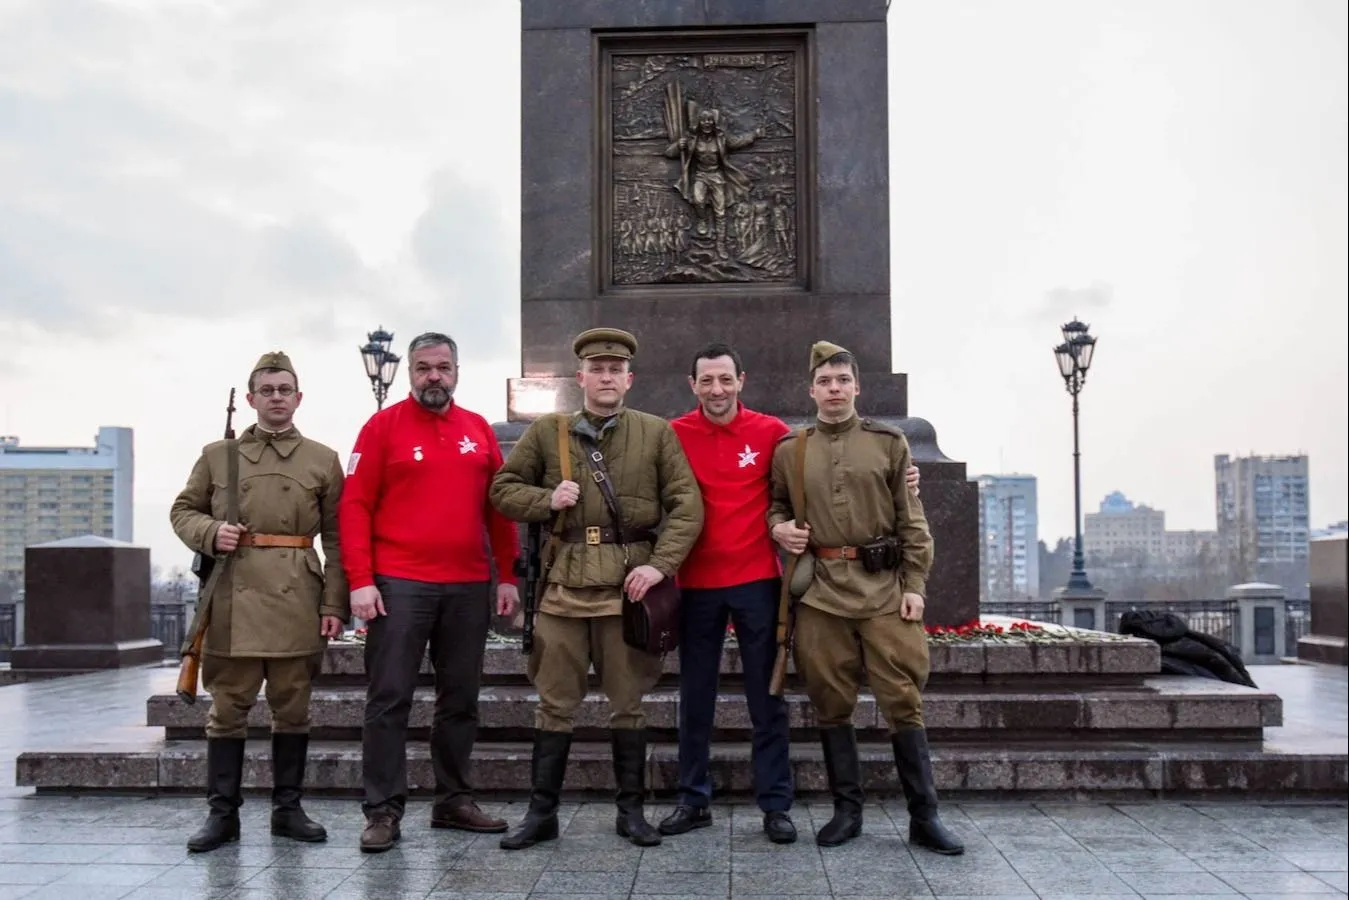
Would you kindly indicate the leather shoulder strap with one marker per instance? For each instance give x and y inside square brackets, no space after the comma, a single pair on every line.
[797,486]
[232,481]
[564,460]
[601,476]
[563,447]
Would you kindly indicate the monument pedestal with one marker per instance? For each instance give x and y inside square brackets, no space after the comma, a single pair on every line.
[698,173]
[86,607]
[1328,641]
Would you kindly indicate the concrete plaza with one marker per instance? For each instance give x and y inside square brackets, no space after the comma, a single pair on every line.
[102,847]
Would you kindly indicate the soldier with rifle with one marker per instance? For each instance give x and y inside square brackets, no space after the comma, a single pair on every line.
[733,574]
[863,552]
[253,506]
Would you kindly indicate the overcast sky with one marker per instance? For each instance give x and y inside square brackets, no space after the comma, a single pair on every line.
[184,185]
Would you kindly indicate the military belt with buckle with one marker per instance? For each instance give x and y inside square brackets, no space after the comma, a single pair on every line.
[835,552]
[594,535]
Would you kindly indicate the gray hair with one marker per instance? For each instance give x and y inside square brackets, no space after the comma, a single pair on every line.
[433,339]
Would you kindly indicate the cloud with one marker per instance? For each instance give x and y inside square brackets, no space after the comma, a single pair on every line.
[1063,303]
[463,249]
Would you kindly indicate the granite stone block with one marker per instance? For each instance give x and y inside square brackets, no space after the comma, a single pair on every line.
[88,770]
[965,659]
[602,14]
[557,107]
[1008,659]
[88,607]
[783,12]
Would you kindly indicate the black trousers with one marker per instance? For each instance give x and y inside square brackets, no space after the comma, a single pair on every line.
[453,620]
[753,609]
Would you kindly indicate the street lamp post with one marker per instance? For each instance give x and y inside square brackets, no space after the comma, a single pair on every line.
[1074,357]
[380,363]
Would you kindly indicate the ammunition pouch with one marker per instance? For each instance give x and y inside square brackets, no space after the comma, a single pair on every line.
[879,555]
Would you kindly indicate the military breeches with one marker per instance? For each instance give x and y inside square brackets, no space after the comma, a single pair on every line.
[564,648]
[234,682]
[833,654]
[711,189]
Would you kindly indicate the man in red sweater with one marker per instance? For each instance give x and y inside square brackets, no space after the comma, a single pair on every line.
[411,520]
[733,572]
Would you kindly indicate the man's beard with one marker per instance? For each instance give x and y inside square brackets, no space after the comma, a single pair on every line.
[434,396]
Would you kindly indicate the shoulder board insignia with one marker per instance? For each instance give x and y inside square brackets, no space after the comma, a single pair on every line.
[882,428]
[809,430]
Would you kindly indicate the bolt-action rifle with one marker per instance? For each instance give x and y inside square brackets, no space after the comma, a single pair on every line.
[207,568]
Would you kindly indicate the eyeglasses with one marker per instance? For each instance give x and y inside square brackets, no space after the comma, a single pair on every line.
[268,390]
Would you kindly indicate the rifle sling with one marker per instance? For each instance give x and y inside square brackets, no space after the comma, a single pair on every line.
[204,618]
[564,460]
[796,489]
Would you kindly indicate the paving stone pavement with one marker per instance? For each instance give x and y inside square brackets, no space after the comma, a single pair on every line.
[100,848]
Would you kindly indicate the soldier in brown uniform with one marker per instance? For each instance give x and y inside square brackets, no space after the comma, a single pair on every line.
[274,605]
[598,562]
[870,550]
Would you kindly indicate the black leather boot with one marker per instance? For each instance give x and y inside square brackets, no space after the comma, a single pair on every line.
[549,770]
[845,783]
[915,775]
[629,748]
[224,775]
[289,752]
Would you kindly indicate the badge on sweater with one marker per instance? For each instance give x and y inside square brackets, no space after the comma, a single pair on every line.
[748,457]
[467,446]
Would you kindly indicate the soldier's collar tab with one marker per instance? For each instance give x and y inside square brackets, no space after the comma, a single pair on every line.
[846,425]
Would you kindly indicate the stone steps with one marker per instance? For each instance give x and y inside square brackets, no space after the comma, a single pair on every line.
[1162,708]
[1024,770]
[1087,717]
[1093,659]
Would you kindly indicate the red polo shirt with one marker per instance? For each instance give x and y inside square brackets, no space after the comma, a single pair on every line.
[732,464]
[414,504]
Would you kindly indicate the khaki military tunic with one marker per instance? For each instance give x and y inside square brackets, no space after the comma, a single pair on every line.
[848,620]
[579,621]
[266,607]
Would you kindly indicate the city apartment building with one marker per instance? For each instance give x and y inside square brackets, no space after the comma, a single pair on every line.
[1121,530]
[1009,544]
[1263,520]
[50,493]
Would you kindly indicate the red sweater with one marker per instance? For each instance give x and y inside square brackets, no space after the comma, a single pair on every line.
[414,504]
[732,464]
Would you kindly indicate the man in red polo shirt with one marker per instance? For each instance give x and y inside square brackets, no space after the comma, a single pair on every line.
[411,521]
[733,572]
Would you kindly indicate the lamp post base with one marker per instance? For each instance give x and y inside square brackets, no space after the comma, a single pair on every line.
[1081,607]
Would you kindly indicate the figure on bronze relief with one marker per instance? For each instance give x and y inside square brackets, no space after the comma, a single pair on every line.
[707,177]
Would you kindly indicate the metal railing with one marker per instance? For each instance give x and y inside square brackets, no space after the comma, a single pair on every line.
[9,629]
[1031,610]
[1216,617]
[1297,623]
[168,623]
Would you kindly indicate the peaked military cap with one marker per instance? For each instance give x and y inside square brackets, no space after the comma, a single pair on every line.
[604,342]
[273,360]
[822,350]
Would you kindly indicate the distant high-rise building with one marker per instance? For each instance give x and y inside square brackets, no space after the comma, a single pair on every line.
[1120,530]
[1009,538]
[1262,517]
[50,493]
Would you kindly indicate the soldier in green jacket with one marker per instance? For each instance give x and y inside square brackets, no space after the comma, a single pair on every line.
[868,544]
[274,605]
[579,614]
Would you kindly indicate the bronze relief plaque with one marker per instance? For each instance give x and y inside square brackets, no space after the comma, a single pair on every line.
[703,157]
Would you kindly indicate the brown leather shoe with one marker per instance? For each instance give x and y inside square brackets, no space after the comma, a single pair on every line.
[381,831]
[466,816]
